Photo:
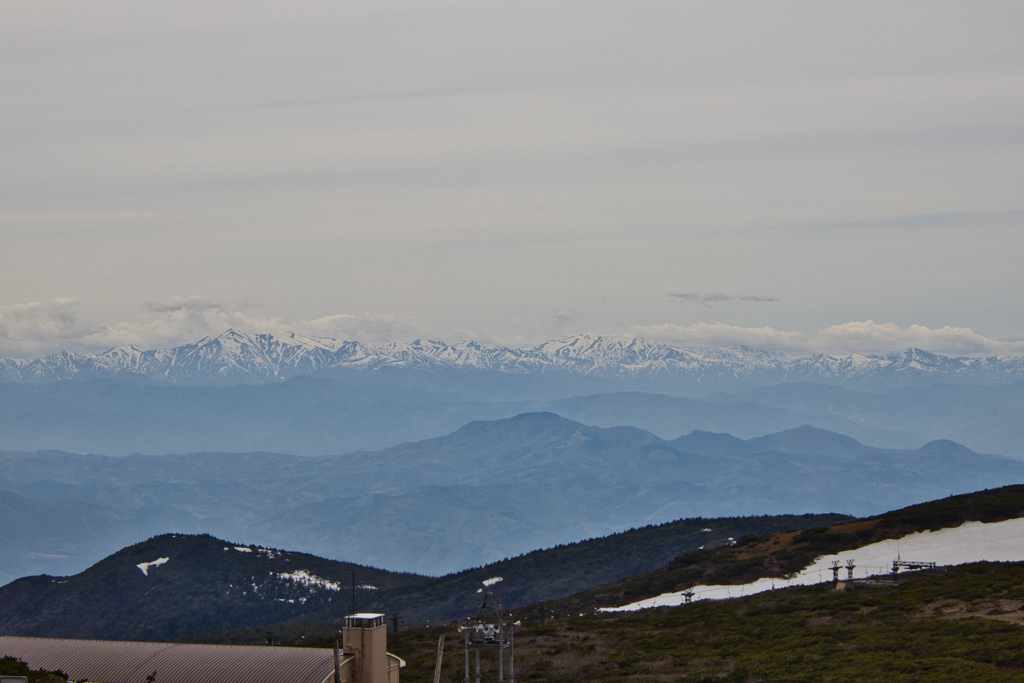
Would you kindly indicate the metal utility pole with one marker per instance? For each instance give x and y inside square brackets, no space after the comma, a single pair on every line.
[492,628]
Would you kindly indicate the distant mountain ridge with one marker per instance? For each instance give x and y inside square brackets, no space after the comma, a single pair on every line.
[238,358]
[488,490]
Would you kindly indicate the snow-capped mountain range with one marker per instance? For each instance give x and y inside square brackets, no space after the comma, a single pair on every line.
[239,358]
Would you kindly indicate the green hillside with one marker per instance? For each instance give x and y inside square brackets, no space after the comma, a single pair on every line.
[960,625]
[754,557]
[963,626]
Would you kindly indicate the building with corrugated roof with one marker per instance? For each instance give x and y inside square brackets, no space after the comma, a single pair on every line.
[361,658]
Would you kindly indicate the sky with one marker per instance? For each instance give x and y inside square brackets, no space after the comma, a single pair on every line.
[803,176]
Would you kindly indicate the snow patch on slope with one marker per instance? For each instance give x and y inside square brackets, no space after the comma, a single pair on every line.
[303,577]
[970,542]
[145,566]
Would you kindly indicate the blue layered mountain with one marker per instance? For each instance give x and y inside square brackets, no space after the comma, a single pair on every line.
[489,490]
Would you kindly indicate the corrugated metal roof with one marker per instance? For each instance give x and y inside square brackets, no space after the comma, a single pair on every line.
[107,661]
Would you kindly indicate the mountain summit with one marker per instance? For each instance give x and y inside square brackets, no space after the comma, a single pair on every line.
[239,358]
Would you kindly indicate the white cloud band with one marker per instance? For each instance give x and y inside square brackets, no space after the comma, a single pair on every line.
[867,337]
[36,329]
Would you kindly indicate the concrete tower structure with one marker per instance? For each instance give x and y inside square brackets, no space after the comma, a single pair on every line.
[365,636]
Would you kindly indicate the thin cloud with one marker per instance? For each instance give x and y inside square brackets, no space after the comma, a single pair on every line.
[362,327]
[28,326]
[37,328]
[865,337]
[888,336]
[711,298]
[719,334]
[563,318]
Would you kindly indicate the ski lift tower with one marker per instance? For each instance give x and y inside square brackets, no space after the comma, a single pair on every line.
[491,629]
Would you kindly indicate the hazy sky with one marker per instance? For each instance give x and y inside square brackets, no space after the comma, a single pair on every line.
[805,175]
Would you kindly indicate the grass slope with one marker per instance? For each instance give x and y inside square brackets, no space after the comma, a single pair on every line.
[568,569]
[962,625]
[754,557]
[953,627]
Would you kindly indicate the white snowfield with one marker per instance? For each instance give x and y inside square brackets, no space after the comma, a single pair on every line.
[155,563]
[970,542]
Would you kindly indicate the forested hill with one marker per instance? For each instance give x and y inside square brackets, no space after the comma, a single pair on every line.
[176,585]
